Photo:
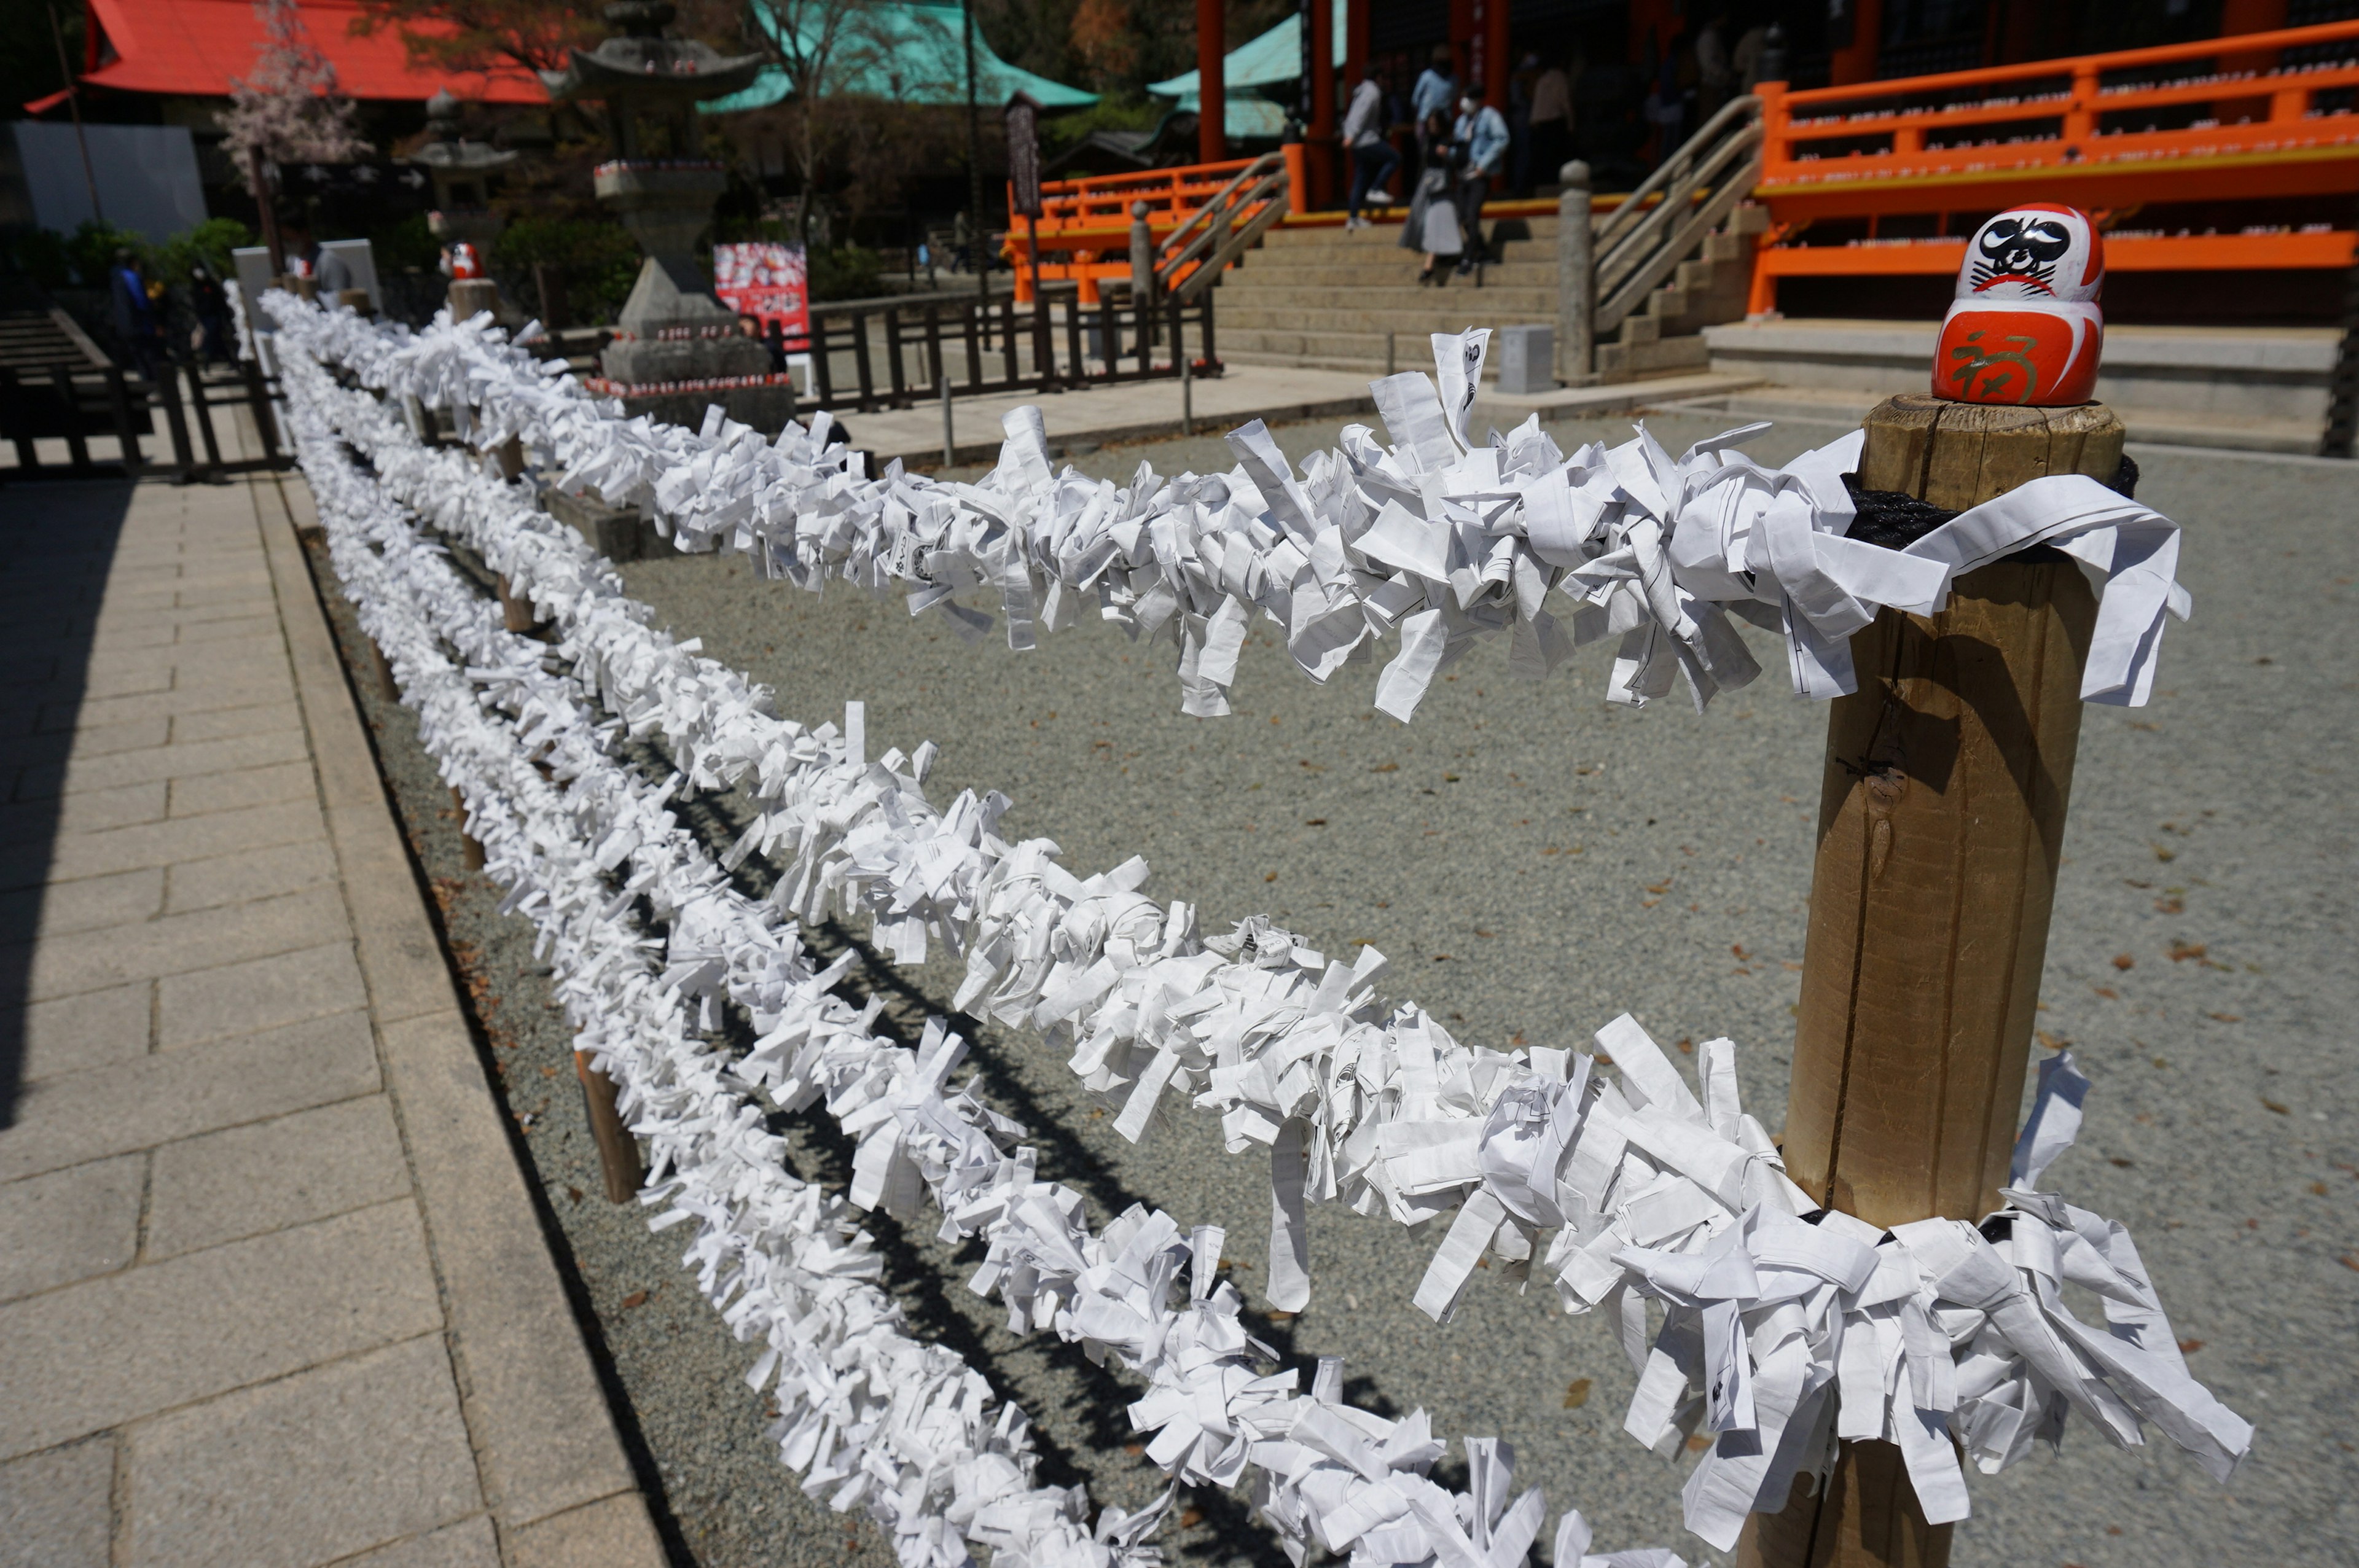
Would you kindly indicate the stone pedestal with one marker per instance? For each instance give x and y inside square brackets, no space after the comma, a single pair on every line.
[677,350]
[617,533]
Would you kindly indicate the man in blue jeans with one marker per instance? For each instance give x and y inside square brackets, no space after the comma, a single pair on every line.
[1373,159]
[1482,132]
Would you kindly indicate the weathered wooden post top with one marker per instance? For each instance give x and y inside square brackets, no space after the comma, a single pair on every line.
[1941,815]
[676,348]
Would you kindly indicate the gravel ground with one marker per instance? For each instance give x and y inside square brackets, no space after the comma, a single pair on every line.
[1535,862]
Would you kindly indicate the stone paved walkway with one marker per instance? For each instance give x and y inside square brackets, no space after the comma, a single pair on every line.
[272,1288]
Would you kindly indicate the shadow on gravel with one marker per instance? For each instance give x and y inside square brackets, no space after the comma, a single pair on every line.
[56,542]
[1224,1520]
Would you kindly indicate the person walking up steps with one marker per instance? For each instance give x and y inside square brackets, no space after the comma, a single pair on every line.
[1374,161]
[1481,131]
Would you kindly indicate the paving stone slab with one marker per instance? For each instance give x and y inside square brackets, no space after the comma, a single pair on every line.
[57,1508]
[260,873]
[190,760]
[225,723]
[160,843]
[315,1467]
[180,944]
[92,811]
[72,1117]
[244,787]
[614,1533]
[263,993]
[96,1029]
[244,1181]
[92,903]
[69,1224]
[90,1356]
[470,1543]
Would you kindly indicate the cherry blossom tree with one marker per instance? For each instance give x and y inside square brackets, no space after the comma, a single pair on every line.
[287,110]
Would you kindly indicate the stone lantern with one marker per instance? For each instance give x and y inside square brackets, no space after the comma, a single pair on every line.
[676,348]
[462,171]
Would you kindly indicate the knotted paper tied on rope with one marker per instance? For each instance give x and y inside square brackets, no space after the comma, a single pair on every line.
[1434,542]
[1646,1168]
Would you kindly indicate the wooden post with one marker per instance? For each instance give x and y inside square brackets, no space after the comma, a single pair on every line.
[382,668]
[618,1151]
[1576,279]
[515,612]
[511,458]
[1940,819]
[471,853]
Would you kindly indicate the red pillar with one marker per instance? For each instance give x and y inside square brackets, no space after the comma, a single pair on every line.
[1321,129]
[1494,77]
[1356,43]
[1211,81]
[1856,62]
[1463,31]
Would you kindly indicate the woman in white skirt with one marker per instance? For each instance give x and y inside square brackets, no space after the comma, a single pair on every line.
[1432,224]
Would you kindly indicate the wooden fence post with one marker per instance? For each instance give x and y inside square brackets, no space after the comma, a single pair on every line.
[618,1151]
[1941,816]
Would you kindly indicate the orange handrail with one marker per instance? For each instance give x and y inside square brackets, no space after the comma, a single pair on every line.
[1084,223]
[2104,132]
[1880,147]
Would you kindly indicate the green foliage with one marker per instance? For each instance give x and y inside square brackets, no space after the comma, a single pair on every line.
[91,251]
[848,271]
[39,255]
[210,241]
[84,258]
[403,243]
[597,258]
[1134,112]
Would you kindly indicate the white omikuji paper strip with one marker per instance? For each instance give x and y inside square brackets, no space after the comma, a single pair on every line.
[1441,542]
[874,1418]
[1622,1193]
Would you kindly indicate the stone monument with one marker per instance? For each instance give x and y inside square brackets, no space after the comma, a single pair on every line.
[676,348]
[462,214]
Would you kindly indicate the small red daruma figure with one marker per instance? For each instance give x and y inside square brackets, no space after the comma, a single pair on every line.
[2026,327]
[463,261]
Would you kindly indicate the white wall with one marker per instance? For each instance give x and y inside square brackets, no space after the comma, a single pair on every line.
[147,177]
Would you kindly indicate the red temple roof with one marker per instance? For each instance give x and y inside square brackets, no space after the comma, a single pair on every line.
[194,47]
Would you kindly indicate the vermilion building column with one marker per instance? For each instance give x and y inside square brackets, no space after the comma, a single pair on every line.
[1211,81]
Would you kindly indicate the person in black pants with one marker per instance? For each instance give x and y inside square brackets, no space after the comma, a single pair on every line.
[1374,161]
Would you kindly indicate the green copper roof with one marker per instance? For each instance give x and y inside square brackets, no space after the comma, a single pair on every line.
[911,51]
[1271,60]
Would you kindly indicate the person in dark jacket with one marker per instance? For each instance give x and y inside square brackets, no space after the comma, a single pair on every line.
[134,313]
[210,303]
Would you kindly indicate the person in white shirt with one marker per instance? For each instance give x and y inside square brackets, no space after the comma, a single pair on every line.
[1374,161]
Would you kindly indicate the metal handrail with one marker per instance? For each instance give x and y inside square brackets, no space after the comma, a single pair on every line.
[1628,215]
[1241,237]
[1172,251]
[1638,250]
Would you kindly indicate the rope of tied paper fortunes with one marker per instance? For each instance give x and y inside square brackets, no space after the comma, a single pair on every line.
[876,1419]
[1816,1331]
[1438,539]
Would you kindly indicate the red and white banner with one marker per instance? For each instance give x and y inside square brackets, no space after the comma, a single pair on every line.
[767,281]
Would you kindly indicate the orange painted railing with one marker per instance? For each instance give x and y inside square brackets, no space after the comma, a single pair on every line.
[1085,224]
[2110,133]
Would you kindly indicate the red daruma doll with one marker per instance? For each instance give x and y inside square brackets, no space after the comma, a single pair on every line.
[464,262]
[2026,327]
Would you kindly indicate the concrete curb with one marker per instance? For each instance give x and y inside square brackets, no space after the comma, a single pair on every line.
[547,1450]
